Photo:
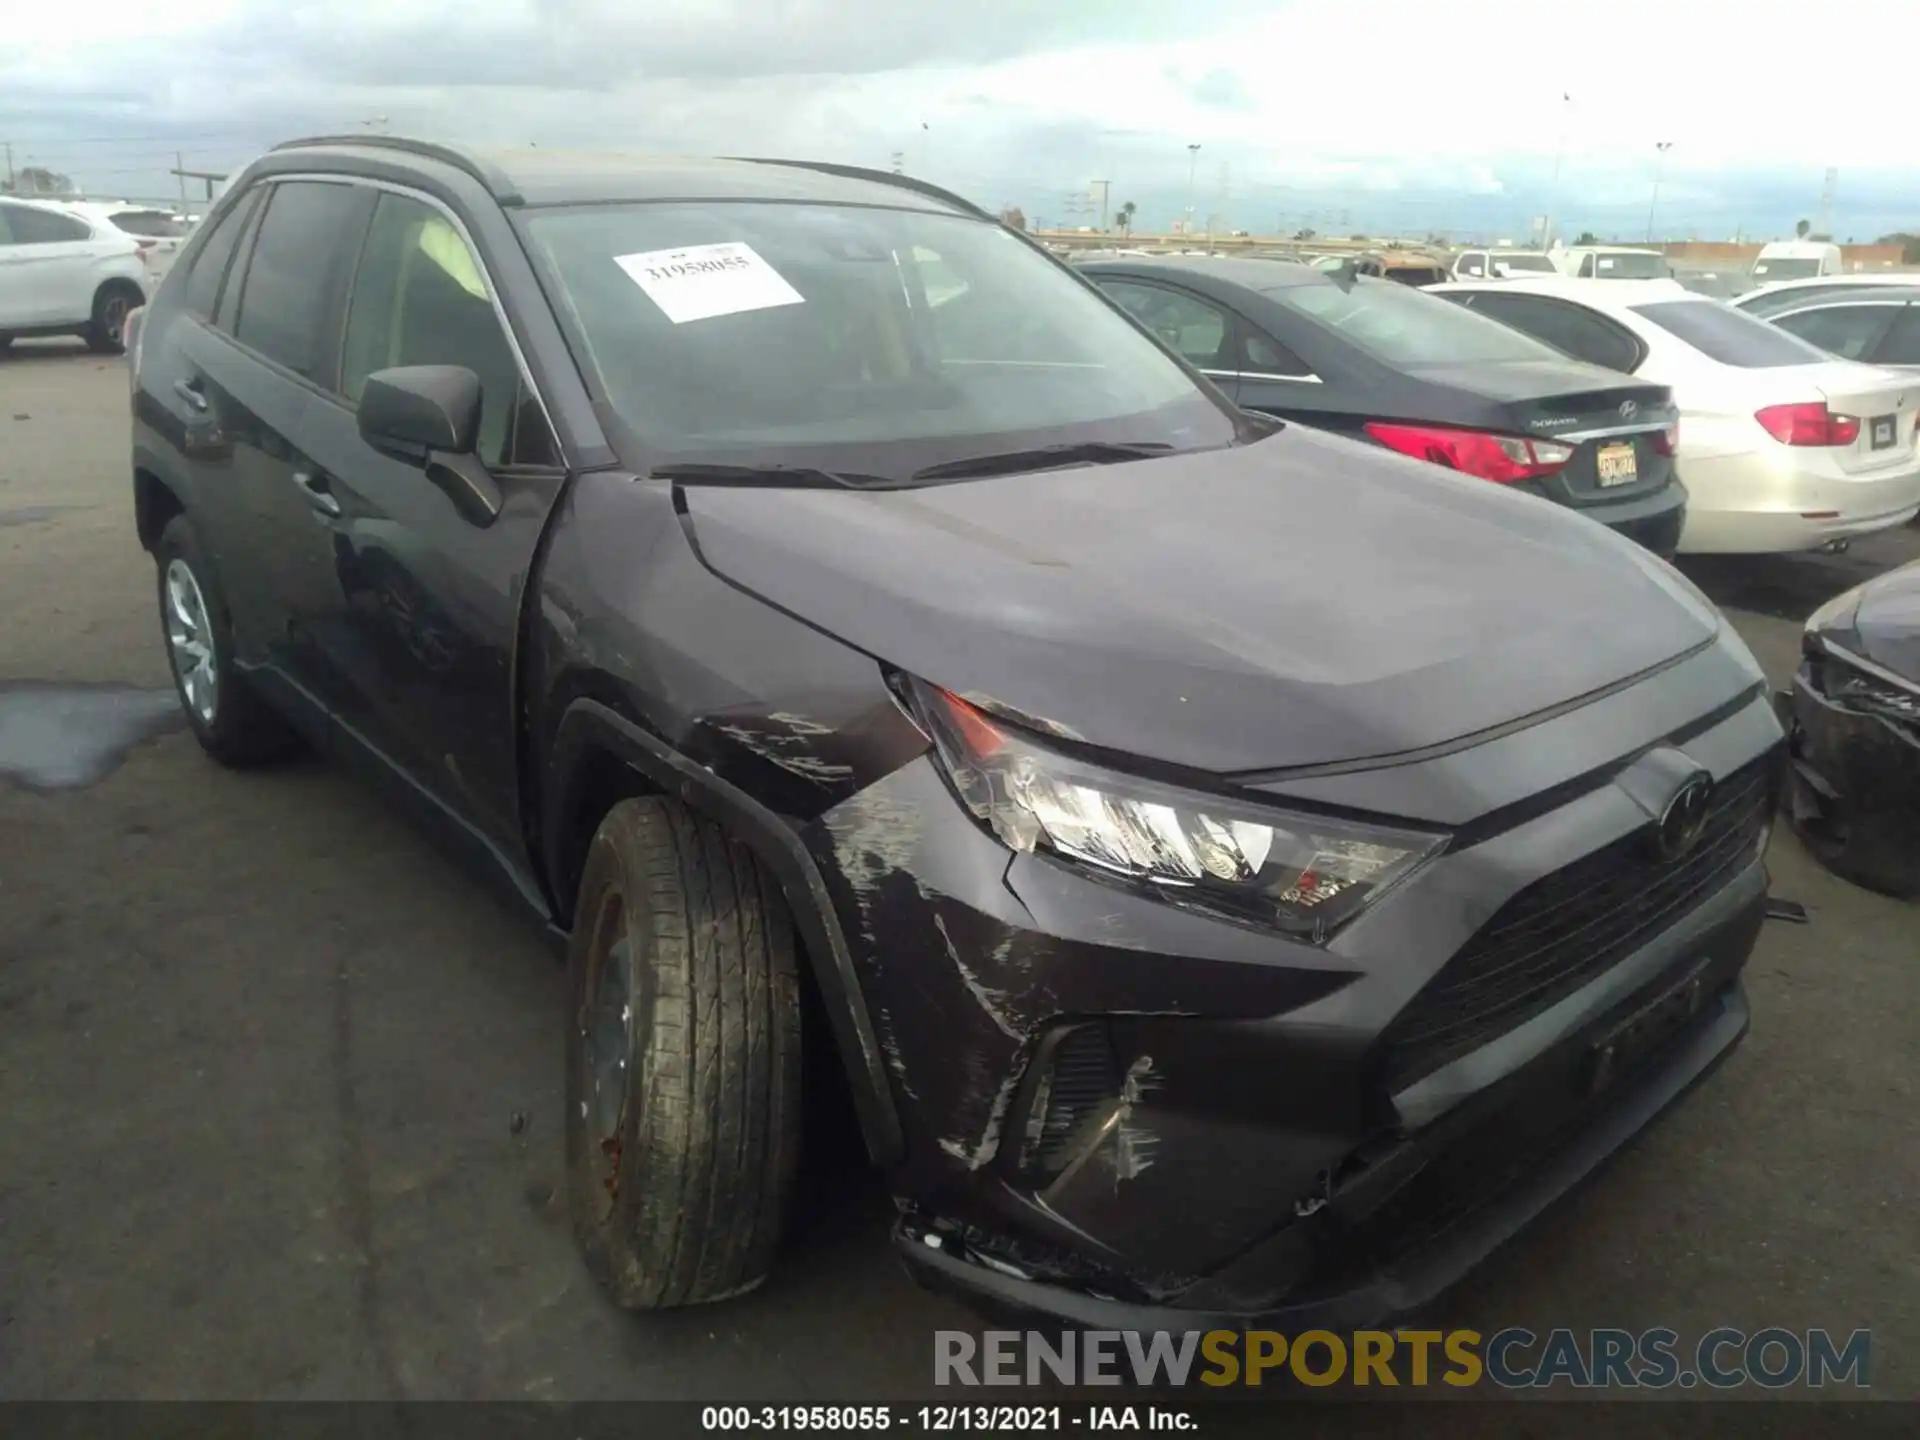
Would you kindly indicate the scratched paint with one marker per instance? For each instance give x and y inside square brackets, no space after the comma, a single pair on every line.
[992,1001]
[66,737]
[978,1154]
[1134,1144]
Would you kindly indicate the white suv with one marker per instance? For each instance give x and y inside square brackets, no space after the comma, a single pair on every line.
[65,272]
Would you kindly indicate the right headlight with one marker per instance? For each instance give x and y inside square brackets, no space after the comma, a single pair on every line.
[1305,874]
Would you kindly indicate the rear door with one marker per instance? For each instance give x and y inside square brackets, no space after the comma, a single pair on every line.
[249,384]
[415,636]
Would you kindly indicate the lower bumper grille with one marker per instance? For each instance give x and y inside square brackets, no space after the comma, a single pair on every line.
[1563,930]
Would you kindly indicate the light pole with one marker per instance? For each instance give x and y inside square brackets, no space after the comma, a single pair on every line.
[1193,159]
[1559,154]
[1660,147]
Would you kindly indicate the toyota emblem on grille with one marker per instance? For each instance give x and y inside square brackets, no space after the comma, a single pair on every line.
[1629,408]
[1685,817]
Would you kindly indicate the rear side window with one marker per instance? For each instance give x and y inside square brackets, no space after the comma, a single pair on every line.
[216,253]
[1532,264]
[1270,357]
[152,224]
[1849,331]
[1407,327]
[1571,329]
[1196,331]
[43,227]
[1902,345]
[283,309]
[1730,336]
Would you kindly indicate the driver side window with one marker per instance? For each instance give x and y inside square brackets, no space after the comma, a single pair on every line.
[421,298]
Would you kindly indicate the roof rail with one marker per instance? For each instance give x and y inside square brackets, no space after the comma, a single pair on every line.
[458,156]
[881,177]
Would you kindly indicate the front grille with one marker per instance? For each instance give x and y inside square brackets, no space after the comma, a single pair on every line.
[1568,927]
[1076,1091]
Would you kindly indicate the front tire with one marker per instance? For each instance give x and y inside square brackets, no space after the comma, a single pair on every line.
[231,722]
[683,1060]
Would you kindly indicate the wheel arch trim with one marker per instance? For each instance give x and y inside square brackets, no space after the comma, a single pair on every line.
[591,724]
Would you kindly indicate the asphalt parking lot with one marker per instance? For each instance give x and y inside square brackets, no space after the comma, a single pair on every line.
[262,1051]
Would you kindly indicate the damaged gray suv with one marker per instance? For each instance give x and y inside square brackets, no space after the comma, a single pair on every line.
[1238,872]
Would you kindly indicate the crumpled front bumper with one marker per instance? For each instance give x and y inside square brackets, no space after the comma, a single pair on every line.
[1409,1226]
[1854,798]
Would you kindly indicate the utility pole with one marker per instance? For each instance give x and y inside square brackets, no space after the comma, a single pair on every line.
[180,169]
[9,165]
[1193,159]
[1559,154]
[1106,189]
[1661,146]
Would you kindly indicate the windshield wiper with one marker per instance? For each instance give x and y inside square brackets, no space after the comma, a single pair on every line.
[805,476]
[1012,462]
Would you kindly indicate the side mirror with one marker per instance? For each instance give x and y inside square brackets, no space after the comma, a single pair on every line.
[413,410]
[429,415]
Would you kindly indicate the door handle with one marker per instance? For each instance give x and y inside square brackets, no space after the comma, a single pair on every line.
[317,494]
[190,391]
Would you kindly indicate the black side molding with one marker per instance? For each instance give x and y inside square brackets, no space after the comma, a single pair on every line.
[591,724]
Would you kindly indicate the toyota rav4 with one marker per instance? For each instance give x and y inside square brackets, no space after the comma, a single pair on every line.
[1237,871]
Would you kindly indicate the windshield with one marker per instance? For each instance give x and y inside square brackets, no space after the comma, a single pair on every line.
[851,337]
[1631,265]
[1766,272]
[1730,336]
[1539,264]
[1407,327]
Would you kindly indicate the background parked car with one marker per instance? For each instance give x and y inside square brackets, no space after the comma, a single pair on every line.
[1782,447]
[1375,360]
[1771,300]
[65,272]
[1796,260]
[1876,326]
[1612,262]
[157,233]
[1497,264]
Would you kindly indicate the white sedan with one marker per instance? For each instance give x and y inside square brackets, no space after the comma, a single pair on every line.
[1782,446]
[65,272]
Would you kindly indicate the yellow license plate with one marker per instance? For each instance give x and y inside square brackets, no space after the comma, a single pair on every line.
[1617,465]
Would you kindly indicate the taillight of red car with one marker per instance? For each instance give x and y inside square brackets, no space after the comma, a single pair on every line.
[1810,423]
[1503,459]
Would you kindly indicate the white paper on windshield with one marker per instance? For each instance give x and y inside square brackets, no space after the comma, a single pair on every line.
[702,281]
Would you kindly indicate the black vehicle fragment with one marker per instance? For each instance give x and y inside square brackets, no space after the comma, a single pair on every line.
[1854,732]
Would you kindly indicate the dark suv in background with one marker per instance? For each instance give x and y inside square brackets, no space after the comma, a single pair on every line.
[1235,869]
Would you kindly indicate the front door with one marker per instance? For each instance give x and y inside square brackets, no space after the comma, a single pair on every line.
[416,641]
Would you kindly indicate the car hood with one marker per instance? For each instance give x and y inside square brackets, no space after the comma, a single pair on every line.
[1882,624]
[1304,600]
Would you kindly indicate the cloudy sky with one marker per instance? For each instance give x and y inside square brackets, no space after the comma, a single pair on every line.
[1452,115]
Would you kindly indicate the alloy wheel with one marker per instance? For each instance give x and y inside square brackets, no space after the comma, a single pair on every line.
[190,642]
